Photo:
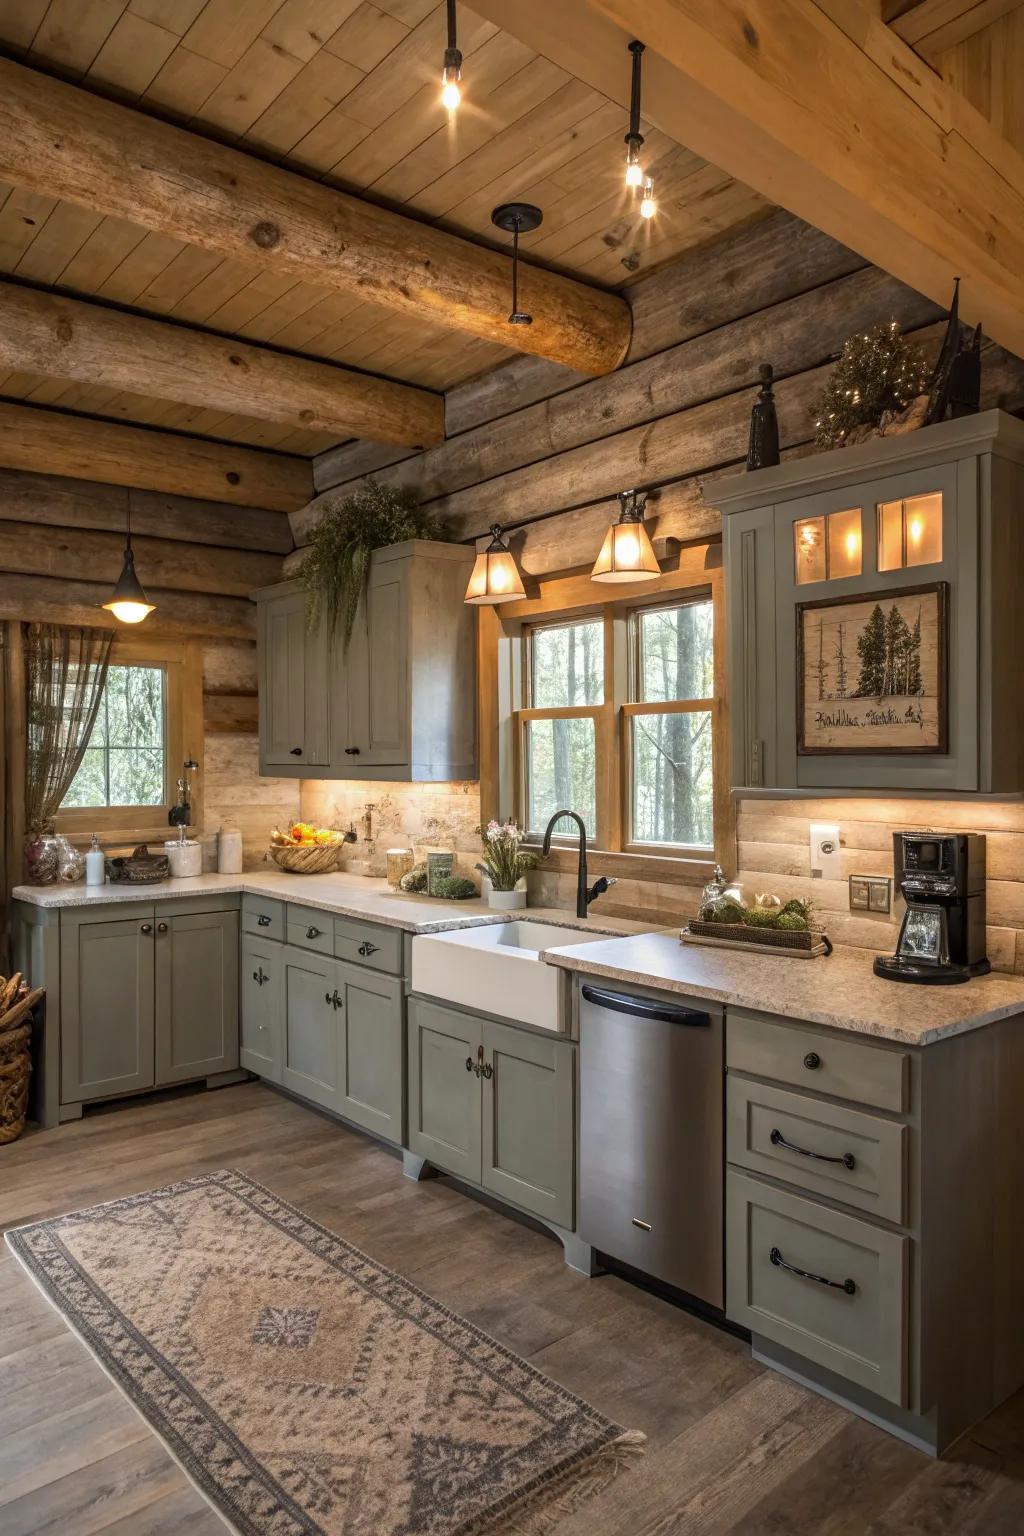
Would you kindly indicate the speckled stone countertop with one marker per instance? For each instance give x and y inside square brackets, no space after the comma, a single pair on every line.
[342,894]
[841,991]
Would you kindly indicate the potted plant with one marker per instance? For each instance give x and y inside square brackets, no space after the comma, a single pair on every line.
[337,565]
[505,864]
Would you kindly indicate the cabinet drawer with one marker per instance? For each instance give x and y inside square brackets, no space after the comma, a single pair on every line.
[263,915]
[843,1154]
[368,944]
[856,1323]
[831,1064]
[311,929]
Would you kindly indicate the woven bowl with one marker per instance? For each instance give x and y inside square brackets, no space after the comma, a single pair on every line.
[319,859]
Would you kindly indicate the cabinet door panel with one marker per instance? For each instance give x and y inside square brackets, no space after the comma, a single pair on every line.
[312,1025]
[106,1007]
[292,685]
[528,1120]
[196,995]
[444,1096]
[372,1052]
[262,1014]
[377,681]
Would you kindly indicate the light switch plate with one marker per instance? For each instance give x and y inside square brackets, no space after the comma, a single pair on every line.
[871,893]
[825,850]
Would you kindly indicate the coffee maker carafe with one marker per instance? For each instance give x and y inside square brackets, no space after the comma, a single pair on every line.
[941,877]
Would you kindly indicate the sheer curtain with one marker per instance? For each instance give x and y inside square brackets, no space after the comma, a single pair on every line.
[65,674]
[12,773]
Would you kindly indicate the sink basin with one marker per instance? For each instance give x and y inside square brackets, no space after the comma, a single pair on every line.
[496,969]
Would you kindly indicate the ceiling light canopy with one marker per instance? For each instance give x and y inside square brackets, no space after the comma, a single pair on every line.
[627,553]
[515,218]
[128,601]
[495,577]
[451,75]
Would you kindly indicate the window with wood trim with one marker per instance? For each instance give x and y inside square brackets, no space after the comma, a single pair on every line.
[149,721]
[616,710]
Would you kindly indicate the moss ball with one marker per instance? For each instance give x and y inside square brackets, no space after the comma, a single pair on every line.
[793,922]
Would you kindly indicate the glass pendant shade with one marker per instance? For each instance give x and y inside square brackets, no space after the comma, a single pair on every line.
[495,577]
[128,601]
[451,75]
[627,553]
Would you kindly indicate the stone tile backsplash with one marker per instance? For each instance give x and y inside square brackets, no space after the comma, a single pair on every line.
[416,816]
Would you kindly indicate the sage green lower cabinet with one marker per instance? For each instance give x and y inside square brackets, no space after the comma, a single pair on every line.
[107,1006]
[196,974]
[262,1013]
[372,1066]
[312,1003]
[528,1120]
[445,1111]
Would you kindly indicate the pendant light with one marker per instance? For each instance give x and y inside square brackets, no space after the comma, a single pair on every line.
[128,601]
[627,553]
[451,75]
[495,577]
[636,178]
[514,218]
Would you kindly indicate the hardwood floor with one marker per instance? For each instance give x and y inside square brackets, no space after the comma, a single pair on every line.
[733,1448]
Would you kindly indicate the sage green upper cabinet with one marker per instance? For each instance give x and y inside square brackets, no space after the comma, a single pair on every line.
[106,1005]
[292,669]
[399,700]
[933,516]
[196,995]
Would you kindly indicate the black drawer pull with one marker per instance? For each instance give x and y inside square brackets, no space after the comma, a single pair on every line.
[351,751]
[366,948]
[812,1061]
[259,977]
[469,1065]
[849,1286]
[312,933]
[296,751]
[263,920]
[778,1140]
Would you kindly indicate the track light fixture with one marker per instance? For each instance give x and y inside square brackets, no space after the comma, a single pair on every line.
[636,178]
[128,601]
[514,218]
[451,75]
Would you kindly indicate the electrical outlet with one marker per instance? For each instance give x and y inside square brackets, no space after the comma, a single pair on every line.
[871,893]
[824,850]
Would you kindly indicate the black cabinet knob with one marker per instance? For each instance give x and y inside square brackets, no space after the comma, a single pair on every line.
[367,948]
[161,927]
[296,751]
[263,920]
[812,1061]
[312,933]
[146,928]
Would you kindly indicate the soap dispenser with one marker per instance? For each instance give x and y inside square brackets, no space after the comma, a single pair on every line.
[95,863]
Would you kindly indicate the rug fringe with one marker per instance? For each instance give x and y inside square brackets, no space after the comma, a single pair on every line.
[538,1513]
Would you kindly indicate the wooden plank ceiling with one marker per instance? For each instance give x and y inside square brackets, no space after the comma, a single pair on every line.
[345,91]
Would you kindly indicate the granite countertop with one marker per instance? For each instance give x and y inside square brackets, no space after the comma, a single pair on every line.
[342,894]
[841,991]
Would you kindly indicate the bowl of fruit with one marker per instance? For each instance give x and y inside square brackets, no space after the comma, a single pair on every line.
[307,850]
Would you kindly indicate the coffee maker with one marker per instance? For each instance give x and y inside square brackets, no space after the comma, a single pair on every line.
[941,877]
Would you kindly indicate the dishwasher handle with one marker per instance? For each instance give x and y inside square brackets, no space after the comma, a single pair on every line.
[645,1007]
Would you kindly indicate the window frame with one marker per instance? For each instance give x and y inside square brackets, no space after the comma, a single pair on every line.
[182,665]
[504,673]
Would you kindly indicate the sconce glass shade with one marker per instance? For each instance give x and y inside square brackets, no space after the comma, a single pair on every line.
[495,577]
[128,601]
[627,553]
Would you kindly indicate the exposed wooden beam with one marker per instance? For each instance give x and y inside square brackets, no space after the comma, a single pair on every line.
[835,119]
[50,333]
[84,449]
[52,600]
[61,141]
[933,25]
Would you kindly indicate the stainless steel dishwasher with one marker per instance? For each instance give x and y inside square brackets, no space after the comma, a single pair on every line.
[651,1136]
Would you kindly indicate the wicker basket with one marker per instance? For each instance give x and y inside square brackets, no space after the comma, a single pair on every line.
[15,1071]
[783,940]
[317,859]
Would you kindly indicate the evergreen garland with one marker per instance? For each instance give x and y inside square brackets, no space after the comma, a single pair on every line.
[876,373]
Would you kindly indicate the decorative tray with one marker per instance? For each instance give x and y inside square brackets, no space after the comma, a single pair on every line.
[806,945]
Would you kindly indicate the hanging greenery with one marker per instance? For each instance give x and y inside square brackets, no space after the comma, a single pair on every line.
[878,375]
[337,566]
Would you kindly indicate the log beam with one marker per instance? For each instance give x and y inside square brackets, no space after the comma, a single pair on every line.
[191,615]
[49,333]
[822,108]
[59,140]
[85,449]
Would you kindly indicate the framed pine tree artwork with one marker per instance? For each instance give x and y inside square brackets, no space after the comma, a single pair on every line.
[872,672]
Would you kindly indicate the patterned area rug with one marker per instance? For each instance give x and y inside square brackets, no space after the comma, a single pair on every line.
[306,1389]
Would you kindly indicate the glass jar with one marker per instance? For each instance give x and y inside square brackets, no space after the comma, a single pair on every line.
[70,862]
[42,858]
[400,862]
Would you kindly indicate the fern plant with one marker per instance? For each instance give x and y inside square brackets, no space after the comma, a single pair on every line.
[336,569]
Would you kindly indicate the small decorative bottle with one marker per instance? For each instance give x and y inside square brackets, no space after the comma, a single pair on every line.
[763,449]
[95,863]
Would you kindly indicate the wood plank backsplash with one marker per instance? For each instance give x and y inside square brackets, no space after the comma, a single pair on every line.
[774,854]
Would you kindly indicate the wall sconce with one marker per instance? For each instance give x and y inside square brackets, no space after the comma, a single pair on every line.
[627,553]
[495,577]
[513,218]
[128,601]
[451,75]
